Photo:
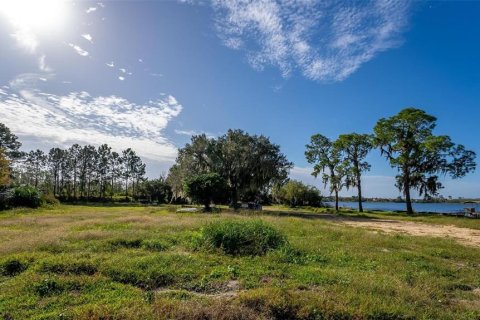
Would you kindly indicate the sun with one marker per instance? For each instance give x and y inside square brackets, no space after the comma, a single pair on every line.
[38,15]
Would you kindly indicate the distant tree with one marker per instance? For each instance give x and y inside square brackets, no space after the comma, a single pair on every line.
[73,155]
[408,143]
[327,161]
[36,161]
[249,163]
[115,172]
[4,170]
[103,163]
[175,181]
[204,188]
[9,143]
[55,159]
[295,193]
[156,190]
[355,147]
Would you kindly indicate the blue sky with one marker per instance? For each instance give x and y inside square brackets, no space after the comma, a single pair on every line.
[149,74]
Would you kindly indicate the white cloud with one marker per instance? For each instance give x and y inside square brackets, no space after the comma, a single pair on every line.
[121,78]
[80,118]
[42,65]
[88,37]
[110,64]
[122,70]
[91,9]
[79,50]
[326,41]
[140,60]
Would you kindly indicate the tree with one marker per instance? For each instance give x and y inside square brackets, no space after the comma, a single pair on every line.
[408,143]
[355,147]
[295,193]
[4,170]
[175,181]
[204,188]
[156,190]
[9,143]
[36,162]
[249,164]
[327,160]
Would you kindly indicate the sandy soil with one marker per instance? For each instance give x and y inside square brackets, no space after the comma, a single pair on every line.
[465,236]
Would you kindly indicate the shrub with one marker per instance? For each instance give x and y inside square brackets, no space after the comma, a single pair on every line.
[241,238]
[25,196]
[49,199]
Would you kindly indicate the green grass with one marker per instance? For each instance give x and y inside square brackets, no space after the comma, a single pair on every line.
[134,262]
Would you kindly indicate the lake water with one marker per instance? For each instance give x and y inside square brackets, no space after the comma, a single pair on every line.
[418,207]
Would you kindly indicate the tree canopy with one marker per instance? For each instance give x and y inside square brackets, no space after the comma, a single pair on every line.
[204,188]
[355,148]
[327,160]
[408,143]
[248,163]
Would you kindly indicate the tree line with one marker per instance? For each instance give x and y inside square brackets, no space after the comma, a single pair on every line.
[77,172]
[407,142]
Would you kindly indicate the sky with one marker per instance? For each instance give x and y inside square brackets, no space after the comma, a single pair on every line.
[150,74]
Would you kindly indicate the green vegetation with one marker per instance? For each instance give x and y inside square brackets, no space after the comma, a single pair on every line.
[296,193]
[408,143]
[240,238]
[205,188]
[78,262]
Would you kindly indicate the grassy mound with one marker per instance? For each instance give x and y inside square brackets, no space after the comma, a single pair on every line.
[241,237]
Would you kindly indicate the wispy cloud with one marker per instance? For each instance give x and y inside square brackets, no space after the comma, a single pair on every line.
[42,64]
[121,78]
[192,133]
[110,64]
[326,41]
[88,37]
[91,9]
[79,50]
[78,117]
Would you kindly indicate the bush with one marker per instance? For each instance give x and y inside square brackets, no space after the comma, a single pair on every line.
[49,199]
[241,238]
[25,196]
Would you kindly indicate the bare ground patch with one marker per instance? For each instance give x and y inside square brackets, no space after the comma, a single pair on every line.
[466,236]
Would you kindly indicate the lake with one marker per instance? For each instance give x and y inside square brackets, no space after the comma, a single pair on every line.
[418,207]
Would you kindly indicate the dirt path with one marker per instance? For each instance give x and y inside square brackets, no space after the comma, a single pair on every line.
[470,237]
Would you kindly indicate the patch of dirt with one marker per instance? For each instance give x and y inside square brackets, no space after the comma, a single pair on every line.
[470,237]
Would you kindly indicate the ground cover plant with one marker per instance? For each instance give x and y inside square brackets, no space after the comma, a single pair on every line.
[94,262]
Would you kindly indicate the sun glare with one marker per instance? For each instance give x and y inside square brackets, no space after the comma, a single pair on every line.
[39,15]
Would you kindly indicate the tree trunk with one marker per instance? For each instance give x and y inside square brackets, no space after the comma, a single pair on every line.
[408,200]
[359,187]
[336,200]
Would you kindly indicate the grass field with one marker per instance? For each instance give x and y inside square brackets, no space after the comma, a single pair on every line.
[93,262]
